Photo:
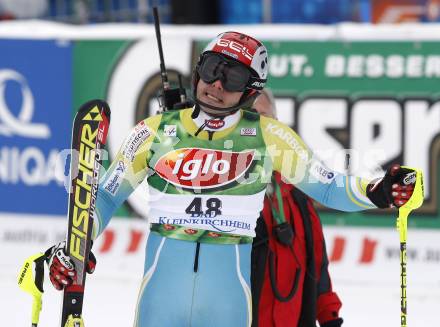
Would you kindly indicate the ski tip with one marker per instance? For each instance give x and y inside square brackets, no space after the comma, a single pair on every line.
[95,105]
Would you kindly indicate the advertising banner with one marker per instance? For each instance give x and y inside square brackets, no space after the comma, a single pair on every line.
[35,120]
[357,255]
[363,105]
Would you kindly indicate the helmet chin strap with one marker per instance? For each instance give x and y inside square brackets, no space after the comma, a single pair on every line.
[222,112]
[216,111]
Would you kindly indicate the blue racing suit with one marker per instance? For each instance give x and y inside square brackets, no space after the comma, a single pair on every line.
[206,190]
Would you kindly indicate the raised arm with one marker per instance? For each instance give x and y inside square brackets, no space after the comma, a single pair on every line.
[297,164]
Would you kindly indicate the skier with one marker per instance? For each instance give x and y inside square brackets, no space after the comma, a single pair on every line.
[291,284]
[207,169]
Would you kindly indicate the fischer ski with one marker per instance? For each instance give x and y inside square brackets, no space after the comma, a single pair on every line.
[89,135]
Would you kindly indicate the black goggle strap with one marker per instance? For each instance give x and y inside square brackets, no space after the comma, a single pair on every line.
[256,83]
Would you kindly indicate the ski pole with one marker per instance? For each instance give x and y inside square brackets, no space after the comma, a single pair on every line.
[31,285]
[414,202]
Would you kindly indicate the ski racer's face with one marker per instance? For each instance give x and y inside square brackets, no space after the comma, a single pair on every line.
[215,95]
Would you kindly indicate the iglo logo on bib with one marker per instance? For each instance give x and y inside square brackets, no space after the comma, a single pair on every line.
[203,168]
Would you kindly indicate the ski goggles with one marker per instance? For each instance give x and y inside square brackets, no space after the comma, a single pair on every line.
[234,76]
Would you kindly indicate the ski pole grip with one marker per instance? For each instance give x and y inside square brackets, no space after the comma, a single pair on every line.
[33,283]
[416,199]
[414,202]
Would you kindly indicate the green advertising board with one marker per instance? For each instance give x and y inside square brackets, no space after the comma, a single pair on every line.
[374,96]
[361,105]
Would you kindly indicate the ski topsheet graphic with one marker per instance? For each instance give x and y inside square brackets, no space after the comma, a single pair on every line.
[89,133]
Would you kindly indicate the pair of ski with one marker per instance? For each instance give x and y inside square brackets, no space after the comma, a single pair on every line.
[89,133]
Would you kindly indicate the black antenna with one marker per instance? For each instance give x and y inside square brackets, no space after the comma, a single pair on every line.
[181,90]
[169,98]
[163,71]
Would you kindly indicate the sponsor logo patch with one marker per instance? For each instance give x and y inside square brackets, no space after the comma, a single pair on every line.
[170,130]
[203,168]
[289,138]
[248,131]
[215,123]
[115,180]
[238,48]
[321,173]
[258,84]
[230,54]
[66,263]
[169,227]
[221,225]
[137,137]
[410,178]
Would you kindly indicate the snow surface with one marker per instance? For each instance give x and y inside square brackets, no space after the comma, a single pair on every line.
[370,293]
[111,302]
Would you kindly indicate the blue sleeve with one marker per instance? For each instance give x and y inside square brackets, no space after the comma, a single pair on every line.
[127,171]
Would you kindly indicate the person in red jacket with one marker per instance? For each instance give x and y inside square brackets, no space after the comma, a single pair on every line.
[291,285]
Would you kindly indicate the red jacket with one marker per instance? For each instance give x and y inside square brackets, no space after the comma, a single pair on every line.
[300,268]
